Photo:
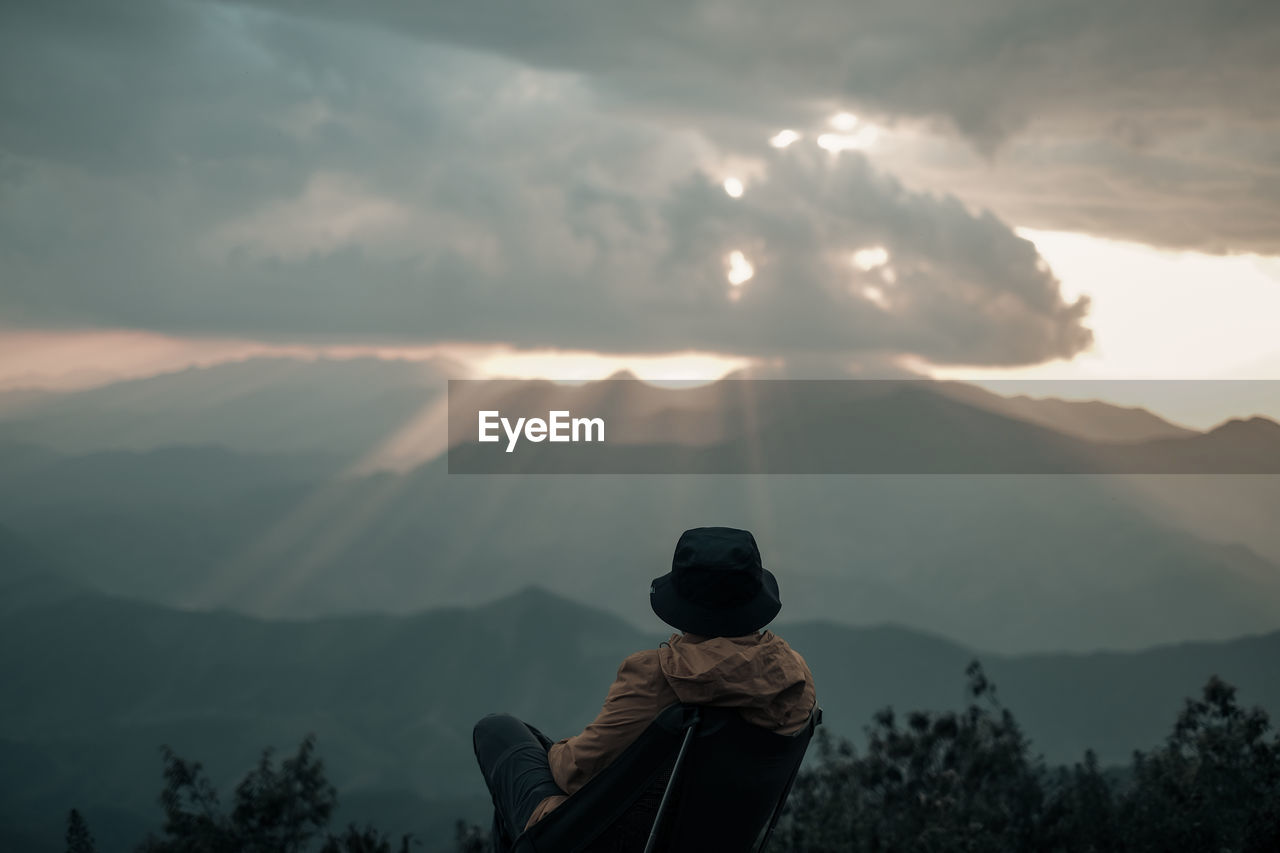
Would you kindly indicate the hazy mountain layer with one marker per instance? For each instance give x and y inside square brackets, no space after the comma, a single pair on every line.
[1012,564]
[340,408]
[348,407]
[1009,563]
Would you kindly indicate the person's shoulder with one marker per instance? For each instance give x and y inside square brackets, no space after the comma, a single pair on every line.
[772,638]
[644,657]
[768,637]
[638,670]
[645,660]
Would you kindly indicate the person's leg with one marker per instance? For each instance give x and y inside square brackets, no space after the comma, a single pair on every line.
[500,840]
[542,739]
[513,759]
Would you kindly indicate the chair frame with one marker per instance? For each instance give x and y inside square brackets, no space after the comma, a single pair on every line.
[691,727]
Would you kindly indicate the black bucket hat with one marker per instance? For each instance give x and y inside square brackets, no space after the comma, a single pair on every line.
[717,586]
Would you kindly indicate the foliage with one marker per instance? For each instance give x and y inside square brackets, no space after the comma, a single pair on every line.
[282,809]
[277,810]
[1215,785]
[78,838]
[469,838]
[928,782]
[367,840]
[941,782]
[966,781]
[1081,810]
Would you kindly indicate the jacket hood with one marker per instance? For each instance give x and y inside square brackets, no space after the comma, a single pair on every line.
[757,672]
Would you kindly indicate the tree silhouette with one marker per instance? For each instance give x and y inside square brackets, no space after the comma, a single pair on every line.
[1214,785]
[1081,810]
[929,782]
[78,838]
[469,838]
[282,809]
[367,840]
[966,782]
[277,810]
[942,782]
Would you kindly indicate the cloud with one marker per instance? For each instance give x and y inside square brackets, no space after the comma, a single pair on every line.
[1087,114]
[1213,188]
[219,169]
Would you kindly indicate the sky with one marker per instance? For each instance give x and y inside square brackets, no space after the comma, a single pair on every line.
[980,189]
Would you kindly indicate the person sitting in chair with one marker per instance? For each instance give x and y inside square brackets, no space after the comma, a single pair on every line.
[720,596]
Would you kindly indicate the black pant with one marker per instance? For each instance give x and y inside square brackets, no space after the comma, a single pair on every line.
[513,758]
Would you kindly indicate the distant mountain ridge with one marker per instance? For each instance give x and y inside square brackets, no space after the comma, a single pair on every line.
[337,407]
[1093,420]
[1011,564]
[269,404]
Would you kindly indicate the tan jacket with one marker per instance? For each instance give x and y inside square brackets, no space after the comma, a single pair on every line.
[759,674]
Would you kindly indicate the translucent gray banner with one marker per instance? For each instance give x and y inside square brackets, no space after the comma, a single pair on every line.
[864,427]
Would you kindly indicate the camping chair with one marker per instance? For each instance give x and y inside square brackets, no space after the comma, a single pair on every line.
[697,779]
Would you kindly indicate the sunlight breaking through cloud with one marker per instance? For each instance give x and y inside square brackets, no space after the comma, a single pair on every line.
[870,258]
[862,138]
[783,138]
[844,121]
[740,269]
[853,134]
[733,187]
[876,295]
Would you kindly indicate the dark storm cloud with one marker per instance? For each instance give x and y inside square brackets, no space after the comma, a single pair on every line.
[1159,120]
[224,169]
[990,65]
[1214,188]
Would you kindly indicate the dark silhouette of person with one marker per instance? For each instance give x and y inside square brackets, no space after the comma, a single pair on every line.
[720,596]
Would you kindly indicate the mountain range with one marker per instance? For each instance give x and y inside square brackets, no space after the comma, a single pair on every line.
[344,407]
[280,528]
